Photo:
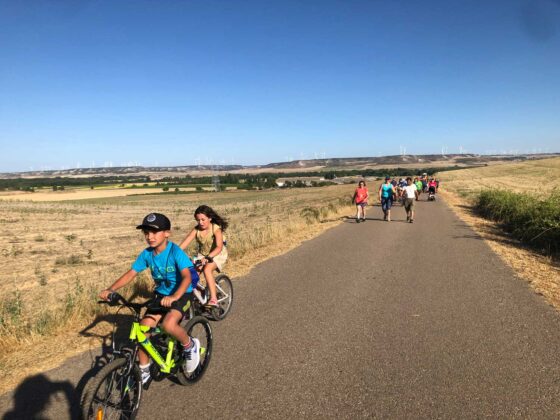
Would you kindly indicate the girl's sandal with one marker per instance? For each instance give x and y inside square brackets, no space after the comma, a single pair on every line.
[212,304]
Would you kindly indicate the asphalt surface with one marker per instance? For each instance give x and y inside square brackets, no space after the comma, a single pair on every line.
[370,320]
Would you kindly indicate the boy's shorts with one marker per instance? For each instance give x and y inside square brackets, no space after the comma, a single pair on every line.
[182,305]
[409,204]
[362,204]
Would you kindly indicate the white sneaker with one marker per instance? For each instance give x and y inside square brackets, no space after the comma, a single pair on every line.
[199,296]
[145,375]
[192,356]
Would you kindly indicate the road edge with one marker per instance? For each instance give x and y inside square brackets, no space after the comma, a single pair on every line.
[536,269]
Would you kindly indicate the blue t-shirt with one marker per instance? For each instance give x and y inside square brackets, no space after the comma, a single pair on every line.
[166,268]
[386,190]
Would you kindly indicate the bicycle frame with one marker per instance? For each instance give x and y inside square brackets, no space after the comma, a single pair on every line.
[137,333]
[225,295]
[203,284]
[167,364]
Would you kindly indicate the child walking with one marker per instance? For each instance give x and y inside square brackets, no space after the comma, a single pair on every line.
[211,243]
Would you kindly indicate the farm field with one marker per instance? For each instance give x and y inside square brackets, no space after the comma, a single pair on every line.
[82,193]
[538,177]
[58,255]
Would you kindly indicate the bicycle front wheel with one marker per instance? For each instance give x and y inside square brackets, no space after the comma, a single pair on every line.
[199,328]
[114,392]
[224,292]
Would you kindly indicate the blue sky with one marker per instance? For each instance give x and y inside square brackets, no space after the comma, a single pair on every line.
[252,82]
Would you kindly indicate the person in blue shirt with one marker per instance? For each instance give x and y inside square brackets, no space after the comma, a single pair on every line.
[174,274]
[386,193]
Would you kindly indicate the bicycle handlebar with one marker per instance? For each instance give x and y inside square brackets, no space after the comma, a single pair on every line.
[198,263]
[115,299]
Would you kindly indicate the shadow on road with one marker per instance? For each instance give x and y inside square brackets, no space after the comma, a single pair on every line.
[33,397]
[468,236]
[119,336]
[34,394]
[348,219]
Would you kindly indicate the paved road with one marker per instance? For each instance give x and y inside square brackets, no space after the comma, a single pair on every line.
[372,320]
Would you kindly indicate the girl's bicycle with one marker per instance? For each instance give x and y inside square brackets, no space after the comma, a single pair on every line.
[115,392]
[224,291]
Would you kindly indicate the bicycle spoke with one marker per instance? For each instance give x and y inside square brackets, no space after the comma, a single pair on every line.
[198,328]
[219,288]
[117,394]
[116,402]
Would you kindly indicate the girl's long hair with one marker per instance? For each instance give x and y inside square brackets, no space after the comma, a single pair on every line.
[211,214]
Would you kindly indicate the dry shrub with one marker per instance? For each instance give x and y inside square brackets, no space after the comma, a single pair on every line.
[531,219]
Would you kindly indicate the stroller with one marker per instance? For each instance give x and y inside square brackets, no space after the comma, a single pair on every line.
[431,193]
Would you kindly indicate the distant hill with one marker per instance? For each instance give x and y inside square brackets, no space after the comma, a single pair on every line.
[361,162]
[291,166]
[402,160]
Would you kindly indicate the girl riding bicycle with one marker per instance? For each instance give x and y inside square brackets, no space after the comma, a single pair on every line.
[212,251]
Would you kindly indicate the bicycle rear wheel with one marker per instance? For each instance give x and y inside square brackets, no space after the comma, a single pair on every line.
[198,327]
[224,292]
[114,393]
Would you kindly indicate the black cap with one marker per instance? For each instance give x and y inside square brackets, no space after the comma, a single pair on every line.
[155,221]
[387,177]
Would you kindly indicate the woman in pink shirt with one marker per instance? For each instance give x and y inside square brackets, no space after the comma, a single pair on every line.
[360,198]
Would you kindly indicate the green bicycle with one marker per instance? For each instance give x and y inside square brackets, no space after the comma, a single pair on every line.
[115,392]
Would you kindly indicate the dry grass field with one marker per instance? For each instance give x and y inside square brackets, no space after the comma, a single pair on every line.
[78,194]
[57,255]
[538,177]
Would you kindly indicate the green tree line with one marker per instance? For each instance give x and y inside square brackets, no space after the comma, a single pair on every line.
[242,181]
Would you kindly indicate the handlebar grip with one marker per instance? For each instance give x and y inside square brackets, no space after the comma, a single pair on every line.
[155,305]
[113,299]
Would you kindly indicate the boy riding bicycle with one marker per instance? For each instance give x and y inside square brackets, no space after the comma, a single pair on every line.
[173,273]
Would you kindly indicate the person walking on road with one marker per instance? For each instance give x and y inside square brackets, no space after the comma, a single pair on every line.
[418,184]
[424,180]
[386,193]
[410,193]
[360,198]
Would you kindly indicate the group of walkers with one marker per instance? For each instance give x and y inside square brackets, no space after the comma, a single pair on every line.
[405,190]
